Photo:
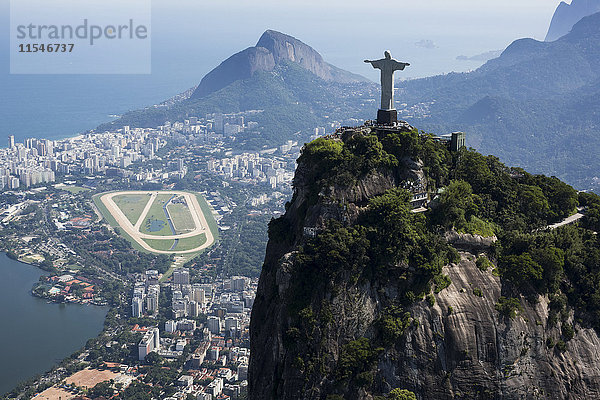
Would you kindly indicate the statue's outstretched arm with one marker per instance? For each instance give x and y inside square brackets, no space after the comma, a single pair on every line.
[400,65]
[374,63]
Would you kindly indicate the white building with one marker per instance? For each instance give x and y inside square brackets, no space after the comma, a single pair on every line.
[149,343]
[232,323]
[152,302]
[239,283]
[215,387]
[181,276]
[198,295]
[194,309]
[180,344]
[186,325]
[185,380]
[170,326]
[137,307]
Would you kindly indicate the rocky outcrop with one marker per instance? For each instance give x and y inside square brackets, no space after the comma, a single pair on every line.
[463,348]
[241,65]
[273,48]
[455,344]
[469,242]
[567,15]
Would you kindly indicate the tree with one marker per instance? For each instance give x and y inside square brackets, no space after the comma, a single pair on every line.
[102,389]
[401,394]
[457,205]
[552,261]
[153,359]
[356,357]
[520,270]
[534,204]
[592,218]
[508,307]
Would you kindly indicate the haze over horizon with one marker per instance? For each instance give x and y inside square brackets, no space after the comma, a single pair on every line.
[345,33]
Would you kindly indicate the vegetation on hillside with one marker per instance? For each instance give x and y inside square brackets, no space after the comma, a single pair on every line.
[387,242]
[534,106]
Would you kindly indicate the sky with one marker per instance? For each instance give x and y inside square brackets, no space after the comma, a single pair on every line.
[345,32]
[190,37]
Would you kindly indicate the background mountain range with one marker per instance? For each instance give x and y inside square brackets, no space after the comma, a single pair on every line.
[281,75]
[535,106]
[567,15]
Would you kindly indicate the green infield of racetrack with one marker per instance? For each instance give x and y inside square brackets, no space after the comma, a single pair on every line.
[164,244]
[132,205]
[182,244]
[113,222]
[181,217]
[157,213]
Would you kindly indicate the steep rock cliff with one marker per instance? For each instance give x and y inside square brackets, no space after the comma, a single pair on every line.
[334,319]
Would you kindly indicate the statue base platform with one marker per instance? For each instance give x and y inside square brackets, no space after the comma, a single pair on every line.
[387,117]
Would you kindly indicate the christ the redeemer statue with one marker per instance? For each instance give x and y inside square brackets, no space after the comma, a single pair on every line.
[387,113]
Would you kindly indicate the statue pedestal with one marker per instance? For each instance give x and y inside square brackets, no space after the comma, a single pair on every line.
[387,117]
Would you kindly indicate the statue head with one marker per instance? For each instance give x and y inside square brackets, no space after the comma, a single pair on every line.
[387,54]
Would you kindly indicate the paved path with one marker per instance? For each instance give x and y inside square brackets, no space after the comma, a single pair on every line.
[569,220]
[201,226]
[144,211]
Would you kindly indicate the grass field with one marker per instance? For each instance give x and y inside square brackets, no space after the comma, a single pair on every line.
[181,216]
[113,222]
[160,244]
[207,211]
[157,213]
[182,245]
[191,242]
[132,205]
[74,189]
[32,259]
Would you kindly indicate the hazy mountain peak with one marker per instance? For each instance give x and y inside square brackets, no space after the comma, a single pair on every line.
[567,15]
[272,49]
[286,47]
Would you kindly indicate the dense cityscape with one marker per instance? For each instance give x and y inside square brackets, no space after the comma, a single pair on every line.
[191,320]
[126,153]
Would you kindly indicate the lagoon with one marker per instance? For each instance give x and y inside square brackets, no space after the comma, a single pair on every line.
[36,335]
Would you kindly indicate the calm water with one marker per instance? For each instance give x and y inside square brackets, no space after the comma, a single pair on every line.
[156,225]
[35,335]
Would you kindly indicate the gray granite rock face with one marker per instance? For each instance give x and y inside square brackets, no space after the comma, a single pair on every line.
[470,352]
